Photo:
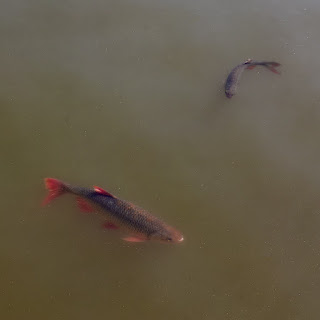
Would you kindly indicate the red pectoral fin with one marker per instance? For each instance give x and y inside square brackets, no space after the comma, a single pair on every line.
[109,225]
[134,239]
[104,192]
[251,67]
[84,205]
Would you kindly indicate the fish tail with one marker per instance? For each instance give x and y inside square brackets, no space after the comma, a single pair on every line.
[271,66]
[55,187]
[274,64]
[272,69]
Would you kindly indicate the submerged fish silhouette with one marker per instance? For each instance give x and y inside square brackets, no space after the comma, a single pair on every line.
[234,76]
[120,214]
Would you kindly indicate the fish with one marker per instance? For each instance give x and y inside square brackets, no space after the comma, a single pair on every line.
[137,223]
[234,76]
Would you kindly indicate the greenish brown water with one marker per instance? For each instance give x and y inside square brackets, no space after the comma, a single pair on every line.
[127,95]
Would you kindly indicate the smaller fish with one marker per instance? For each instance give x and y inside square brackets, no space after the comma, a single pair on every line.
[234,76]
[139,224]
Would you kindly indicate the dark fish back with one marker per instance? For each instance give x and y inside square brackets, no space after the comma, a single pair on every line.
[233,79]
[265,63]
[130,215]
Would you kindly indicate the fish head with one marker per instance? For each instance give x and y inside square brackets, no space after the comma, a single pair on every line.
[168,235]
[229,94]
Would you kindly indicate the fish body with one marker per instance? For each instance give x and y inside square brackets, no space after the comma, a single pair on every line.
[235,75]
[119,214]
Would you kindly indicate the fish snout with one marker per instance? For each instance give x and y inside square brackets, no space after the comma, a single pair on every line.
[229,95]
[181,239]
[168,235]
[177,237]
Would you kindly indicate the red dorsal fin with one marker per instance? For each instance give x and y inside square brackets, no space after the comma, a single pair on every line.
[84,205]
[104,192]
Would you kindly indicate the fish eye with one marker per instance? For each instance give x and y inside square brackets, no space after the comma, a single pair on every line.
[169,239]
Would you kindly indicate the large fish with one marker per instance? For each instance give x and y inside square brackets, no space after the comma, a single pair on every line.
[139,224]
[234,76]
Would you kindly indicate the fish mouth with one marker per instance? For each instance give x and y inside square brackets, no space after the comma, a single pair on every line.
[181,239]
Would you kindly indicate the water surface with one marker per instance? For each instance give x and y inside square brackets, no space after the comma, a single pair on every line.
[128,95]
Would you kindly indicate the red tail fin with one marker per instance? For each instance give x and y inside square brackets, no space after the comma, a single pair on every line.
[272,69]
[274,64]
[56,188]
[271,66]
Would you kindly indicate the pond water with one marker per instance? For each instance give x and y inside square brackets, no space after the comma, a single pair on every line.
[128,95]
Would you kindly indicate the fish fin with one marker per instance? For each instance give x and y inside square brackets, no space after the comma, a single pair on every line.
[251,67]
[110,225]
[272,69]
[84,205]
[103,192]
[134,239]
[274,64]
[55,187]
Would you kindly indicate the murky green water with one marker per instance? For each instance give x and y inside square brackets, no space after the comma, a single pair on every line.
[127,95]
